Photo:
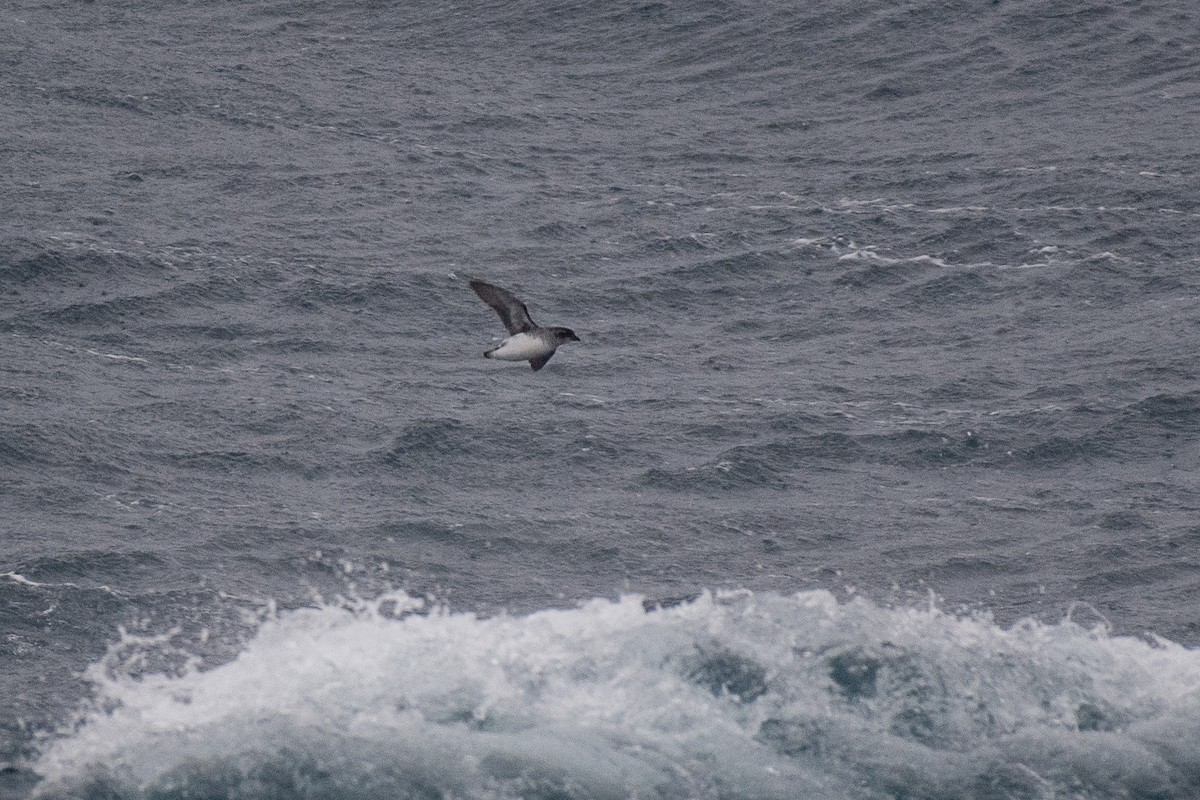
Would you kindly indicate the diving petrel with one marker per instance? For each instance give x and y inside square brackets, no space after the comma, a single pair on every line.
[526,340]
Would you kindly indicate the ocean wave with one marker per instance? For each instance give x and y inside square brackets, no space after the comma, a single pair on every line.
[733,695]
[1176,413]
[737,469]
[72,266]
[71,282]
[447,445]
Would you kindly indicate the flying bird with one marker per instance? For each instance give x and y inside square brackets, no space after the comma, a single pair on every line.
[526,340]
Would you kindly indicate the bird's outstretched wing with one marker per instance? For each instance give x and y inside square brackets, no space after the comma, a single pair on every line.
[512,311]
[537,363]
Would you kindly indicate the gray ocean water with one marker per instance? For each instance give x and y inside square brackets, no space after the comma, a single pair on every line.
[875,474]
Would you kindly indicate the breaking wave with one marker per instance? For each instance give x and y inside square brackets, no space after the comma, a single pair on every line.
[731,695]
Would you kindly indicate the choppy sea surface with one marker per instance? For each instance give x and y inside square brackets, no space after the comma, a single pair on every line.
[875,475]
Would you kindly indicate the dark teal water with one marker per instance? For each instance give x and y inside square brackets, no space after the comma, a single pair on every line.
[894,304]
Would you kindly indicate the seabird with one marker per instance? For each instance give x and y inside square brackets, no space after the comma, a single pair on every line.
[526,341]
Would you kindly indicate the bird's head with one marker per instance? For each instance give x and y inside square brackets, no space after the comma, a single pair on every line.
[565,335]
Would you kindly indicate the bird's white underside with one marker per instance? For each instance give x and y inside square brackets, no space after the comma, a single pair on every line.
[520,347]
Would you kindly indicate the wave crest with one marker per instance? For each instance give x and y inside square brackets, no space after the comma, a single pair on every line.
[727,695]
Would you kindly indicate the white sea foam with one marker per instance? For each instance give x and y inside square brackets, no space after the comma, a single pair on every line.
[732,695]
[116,357]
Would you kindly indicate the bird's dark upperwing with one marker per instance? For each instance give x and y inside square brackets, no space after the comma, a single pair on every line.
[512,311]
